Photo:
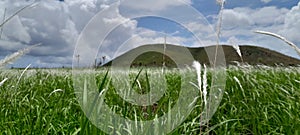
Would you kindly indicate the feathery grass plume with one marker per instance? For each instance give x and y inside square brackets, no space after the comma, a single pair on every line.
[281,38]
[3,81]
[205,86]
[197,66]
[236,47]
[203,91]
[16,13]
[16,55]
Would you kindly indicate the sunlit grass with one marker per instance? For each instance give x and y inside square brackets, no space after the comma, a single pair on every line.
[256,101]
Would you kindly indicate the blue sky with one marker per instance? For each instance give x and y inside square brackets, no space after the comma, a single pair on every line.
[58,25]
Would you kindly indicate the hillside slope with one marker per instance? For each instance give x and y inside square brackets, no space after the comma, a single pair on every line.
[252,55]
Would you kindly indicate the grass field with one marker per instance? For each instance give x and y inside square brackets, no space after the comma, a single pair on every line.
[259,100]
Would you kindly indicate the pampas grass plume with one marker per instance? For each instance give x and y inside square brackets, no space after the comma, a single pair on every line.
[16,55]
[205,85]
[237,49]
[197,66]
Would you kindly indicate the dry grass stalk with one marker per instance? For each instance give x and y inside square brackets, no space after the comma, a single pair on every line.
[281,38]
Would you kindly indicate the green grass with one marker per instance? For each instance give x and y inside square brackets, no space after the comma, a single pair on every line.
[266,102]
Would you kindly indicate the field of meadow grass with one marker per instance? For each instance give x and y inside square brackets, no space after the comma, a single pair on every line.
[257,100]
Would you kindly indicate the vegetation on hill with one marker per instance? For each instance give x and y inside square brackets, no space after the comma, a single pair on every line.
[252,55]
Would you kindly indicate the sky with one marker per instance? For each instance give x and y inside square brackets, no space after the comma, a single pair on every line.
[96,28]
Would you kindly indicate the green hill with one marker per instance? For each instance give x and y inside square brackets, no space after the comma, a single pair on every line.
[152,55]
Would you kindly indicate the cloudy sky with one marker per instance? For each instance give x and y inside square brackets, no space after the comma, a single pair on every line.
[96,28]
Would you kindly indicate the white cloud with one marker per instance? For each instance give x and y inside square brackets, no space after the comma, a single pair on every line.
[240,23]
[292,25]
[58,24]
[154,5]
[268,16]
[69,33]
[15,30]
[266,1]
[242,18]
[236,19]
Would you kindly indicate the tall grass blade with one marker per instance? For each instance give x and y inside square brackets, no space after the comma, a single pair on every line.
[281,38]
[101,91]
[240,85]
[85,94]
[3,81]
[58,90]
[23,73]
[217,125]
[136,78]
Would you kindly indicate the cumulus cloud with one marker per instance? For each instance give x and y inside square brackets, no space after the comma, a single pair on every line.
[292,25]
[54,24]
[239,24]
[235,19]
[154,5]
[57,25]
[244,17]
[15,30]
